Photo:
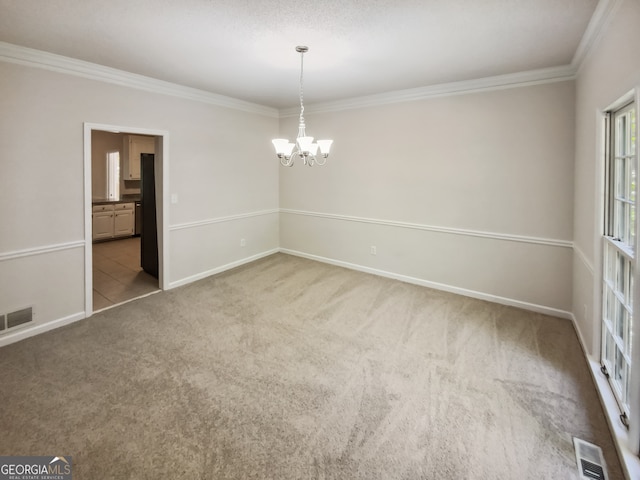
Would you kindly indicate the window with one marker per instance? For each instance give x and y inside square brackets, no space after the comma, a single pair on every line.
[620,250]
[113,175]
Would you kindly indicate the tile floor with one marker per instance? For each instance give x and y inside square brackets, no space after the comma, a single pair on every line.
[117,275]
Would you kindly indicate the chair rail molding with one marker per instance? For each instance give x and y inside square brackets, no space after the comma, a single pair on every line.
[29,252]
[433,228]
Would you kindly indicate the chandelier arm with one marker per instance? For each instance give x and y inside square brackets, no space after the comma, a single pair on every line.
[321,160]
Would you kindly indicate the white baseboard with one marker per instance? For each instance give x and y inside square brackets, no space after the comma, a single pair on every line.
[22,333]
[437,286]
[222,268]
[32,330]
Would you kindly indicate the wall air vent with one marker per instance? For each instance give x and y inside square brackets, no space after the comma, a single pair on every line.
[15,319]
[590,460]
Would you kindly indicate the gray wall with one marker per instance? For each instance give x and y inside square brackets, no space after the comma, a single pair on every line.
[226,182]
[610,71]
[471,193]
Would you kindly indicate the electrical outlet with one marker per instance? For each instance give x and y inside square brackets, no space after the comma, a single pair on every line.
[243,242]
[373,250]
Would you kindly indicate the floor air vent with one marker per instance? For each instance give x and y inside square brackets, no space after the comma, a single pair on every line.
[15,319]
[590,460]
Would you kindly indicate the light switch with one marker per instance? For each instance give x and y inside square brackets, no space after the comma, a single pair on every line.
[174,198]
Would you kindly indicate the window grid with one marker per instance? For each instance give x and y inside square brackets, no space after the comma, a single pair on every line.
[617,315]
[619,254]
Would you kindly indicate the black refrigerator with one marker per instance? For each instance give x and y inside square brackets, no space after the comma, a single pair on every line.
[149,230]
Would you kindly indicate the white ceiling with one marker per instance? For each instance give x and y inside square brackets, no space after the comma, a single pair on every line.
[246,48]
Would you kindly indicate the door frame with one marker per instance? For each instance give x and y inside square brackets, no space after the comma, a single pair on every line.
[162,198]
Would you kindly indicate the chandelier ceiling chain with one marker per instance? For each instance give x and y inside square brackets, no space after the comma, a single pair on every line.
[302,52]
[306,149]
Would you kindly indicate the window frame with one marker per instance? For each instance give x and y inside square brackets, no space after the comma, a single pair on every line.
[630,100]
[113,174]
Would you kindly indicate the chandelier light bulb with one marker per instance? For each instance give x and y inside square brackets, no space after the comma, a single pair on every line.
[325,146]
[305,143]
[280,145]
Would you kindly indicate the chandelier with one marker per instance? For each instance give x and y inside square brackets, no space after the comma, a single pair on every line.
[306,149]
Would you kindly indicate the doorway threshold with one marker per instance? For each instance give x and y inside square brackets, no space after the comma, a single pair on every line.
[109,307]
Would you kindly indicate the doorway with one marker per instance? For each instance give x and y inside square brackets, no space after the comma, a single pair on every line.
[117,274]
[113,272]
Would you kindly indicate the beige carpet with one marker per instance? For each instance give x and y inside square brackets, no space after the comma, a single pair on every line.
[292,369]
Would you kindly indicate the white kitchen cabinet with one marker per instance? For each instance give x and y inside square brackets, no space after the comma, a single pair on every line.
[124,220]
[102,222]
[113,220]
[134,145]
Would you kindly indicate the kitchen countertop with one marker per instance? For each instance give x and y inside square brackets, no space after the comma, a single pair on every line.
[122,199]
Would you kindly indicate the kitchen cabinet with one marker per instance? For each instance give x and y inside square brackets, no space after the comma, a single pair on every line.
[113,220]
[123,220]
[134,146]
[102,222]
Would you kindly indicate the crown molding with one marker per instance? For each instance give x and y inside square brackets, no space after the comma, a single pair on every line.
[599,20]
[58,63]
[499,82]
[36,58]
